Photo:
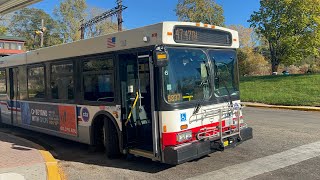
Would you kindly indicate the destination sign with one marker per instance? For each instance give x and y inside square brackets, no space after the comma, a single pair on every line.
[199,35]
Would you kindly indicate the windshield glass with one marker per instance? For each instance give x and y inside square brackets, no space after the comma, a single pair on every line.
[186,77]
[225,71]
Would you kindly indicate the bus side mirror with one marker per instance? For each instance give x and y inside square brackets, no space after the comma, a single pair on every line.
[161,59]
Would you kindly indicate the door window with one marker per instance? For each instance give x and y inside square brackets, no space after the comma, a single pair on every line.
[3,82]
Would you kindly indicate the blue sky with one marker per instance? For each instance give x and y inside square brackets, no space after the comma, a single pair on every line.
[145,12]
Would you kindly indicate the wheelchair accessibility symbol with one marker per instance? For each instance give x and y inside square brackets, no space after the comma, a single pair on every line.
[183,117]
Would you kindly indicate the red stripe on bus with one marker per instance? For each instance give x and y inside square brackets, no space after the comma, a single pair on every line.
[3,103]
[170,139]
[10,108]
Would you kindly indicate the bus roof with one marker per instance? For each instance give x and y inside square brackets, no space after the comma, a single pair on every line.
[157,34]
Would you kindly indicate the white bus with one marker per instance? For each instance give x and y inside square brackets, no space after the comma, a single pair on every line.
[168,91]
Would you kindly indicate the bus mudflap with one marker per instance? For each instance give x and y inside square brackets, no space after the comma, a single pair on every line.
[179,154]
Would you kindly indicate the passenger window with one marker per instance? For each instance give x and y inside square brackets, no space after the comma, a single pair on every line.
[36,82]
[62,83]
[13,46]
[19,46]
[98,80]
[3,82]
[6,45]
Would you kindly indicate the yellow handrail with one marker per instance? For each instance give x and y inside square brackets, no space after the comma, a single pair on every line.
[133,106]
[188,97]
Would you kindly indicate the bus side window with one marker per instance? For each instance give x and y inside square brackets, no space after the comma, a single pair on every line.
[98,79]
[62,83]
[36,82]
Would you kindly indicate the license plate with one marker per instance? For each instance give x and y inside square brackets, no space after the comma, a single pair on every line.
[225,143]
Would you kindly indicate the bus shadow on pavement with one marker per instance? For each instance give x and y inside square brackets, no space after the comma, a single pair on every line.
[70,151]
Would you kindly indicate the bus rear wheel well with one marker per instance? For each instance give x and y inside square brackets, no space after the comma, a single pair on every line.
[106,135]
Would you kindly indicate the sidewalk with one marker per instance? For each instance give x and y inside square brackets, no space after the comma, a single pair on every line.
[298,108]
[21,159]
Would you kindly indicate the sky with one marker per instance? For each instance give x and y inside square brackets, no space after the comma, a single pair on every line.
[145,12]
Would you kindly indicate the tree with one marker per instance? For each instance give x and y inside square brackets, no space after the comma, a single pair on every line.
[248,38]
[26,21]
[206,11]
[3,30]
[251,62]
[291,28]
[5,21]
[70,13]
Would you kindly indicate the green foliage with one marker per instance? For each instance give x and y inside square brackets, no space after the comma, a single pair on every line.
[292,90]
[291,28]
[250,62]
[3,30]
[26,21]
[206,11]
[69,15]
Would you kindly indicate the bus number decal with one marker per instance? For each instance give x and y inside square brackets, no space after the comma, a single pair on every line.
[174,98]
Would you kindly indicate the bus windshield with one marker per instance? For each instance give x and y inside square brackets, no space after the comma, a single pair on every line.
[187,75]
[225,72]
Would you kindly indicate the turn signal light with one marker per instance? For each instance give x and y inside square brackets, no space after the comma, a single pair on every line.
[164,128]
[185,126]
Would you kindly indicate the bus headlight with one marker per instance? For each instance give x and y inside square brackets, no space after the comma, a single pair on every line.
[184,136]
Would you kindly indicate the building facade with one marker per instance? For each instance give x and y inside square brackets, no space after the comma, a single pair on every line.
[10,45]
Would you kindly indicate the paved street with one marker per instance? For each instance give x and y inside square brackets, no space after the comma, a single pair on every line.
[286,145]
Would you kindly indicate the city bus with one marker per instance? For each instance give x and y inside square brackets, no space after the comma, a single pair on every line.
[168,91]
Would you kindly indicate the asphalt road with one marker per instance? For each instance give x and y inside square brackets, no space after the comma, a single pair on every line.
[286,145]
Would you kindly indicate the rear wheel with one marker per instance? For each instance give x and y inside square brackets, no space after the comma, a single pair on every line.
[110,140]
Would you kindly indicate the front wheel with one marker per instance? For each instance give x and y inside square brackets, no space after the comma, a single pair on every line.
[111,140]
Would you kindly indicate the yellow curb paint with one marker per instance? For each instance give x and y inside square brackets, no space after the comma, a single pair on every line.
[54,172]
[52,165]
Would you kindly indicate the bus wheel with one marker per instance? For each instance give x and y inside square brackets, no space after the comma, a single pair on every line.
[98,136]
[111,141]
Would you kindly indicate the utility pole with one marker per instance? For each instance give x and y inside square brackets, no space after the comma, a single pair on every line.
[82,28]
[42,28]
[120,20]
[114,11]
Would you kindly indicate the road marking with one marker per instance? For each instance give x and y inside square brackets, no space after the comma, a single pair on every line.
[11,176]
[265,164]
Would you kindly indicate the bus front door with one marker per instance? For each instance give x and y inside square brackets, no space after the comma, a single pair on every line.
[136,101]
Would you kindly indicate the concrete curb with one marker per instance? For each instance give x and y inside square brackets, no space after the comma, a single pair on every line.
[297,108]
[53,170]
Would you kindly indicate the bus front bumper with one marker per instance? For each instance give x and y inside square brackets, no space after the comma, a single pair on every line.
[179,154]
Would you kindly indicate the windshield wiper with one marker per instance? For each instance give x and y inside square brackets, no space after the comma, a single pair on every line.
[205,83]
[196,108]
[224,82]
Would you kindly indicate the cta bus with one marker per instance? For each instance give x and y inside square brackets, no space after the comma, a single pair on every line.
[168,91]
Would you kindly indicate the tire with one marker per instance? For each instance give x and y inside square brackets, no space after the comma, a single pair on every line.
[111,140]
